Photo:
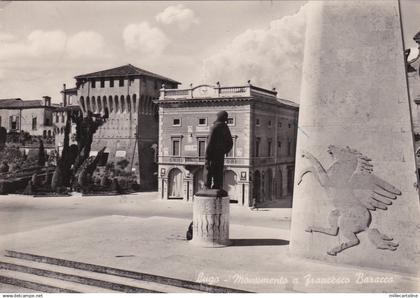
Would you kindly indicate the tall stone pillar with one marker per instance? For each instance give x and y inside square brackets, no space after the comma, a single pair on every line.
[355,197]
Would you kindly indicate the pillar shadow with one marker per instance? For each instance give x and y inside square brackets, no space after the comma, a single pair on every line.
[258,242]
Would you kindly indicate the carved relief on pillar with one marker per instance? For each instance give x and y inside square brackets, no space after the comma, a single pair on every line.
[355,192]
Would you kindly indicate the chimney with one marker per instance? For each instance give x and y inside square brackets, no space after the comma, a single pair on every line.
[46,101]
[64,95]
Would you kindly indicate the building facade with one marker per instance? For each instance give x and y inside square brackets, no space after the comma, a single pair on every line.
[131,130]
[260,166]
[31,116]
[59,118]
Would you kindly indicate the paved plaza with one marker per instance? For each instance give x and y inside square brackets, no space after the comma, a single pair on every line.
[136,232]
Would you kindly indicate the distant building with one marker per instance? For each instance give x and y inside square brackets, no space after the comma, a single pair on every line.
[32,116]
[260,166]
[70,102]
[413,75]
[131,131]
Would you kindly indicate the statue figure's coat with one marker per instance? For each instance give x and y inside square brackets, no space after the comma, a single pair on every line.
[220,143]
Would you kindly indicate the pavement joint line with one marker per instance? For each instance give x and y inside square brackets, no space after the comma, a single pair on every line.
[124,273]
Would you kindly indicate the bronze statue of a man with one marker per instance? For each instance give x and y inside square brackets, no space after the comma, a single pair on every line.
[220,143]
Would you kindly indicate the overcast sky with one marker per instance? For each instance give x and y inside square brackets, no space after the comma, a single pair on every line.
[46,44]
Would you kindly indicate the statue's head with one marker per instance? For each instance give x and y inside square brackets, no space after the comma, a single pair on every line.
[222,116]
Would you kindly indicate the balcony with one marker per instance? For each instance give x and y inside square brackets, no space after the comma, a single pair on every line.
[264,160]
[195,160]
[208,91]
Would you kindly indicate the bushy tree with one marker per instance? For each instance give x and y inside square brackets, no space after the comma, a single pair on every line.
[74,156]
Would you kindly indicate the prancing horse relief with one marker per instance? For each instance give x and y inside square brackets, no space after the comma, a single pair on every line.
[355,191]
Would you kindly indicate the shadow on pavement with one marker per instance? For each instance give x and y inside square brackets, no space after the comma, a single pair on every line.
[258,242]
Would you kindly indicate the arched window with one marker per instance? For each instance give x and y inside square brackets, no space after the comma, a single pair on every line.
[128,103]
[93,104]
[99,103]
[134,103]
[122,104]
[117,106]
[105,104]
[56,118]
[88,104]
[111,104]
[82,103]
[63,117]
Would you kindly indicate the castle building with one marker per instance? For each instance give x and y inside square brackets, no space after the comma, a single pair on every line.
[31,116]
[131,130]
[260,166]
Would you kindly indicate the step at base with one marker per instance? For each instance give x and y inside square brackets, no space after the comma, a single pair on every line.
[112,282]
[45,284]
[184,285]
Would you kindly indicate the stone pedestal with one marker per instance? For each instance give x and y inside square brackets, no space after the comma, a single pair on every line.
[355,197]
[211,219]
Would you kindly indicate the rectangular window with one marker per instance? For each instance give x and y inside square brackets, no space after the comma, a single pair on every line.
[231,121]
[34,123]
[176,122]
[278,148]
[93,84]
[111,83]
[290,125]
[257,122]
[202,121]
[176,147]
[269,148]
[102,83]
[257,147]
[201,148]
[279,124]
[121,82]
[270,123]
[232,151]
[14,122]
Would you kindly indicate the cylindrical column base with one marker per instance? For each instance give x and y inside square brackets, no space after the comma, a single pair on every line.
[210,220]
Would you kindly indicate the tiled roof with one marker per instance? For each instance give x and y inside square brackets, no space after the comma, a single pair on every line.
[68,108]
[125,70]
[8,101]
[70,90]
[17,103]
